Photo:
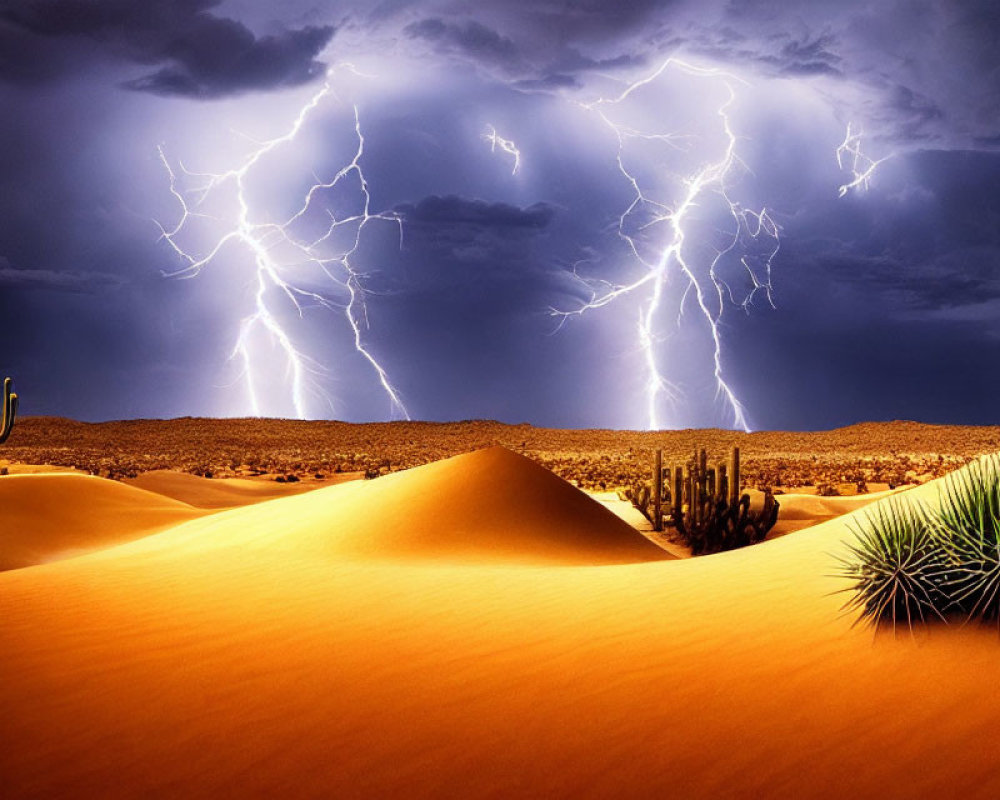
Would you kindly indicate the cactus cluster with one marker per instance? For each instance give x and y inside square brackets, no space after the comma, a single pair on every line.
[9,410]
[703,504]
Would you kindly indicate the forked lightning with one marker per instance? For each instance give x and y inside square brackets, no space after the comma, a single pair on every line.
[274,275]
[699,278]
[851,159]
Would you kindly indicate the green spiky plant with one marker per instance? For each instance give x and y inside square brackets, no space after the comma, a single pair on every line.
[968,525]
[908,562]
[9,410]
[897,565]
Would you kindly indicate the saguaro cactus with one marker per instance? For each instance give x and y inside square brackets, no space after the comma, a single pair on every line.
[704,503]
[9,410]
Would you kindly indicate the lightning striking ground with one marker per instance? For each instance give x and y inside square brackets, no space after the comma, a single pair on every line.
[506,145]
[700,279]
[274,276]
[851,159]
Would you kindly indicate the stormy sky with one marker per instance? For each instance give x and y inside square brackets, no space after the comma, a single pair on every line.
[673,249]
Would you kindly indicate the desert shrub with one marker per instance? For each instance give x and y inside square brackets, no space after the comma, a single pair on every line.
[895,563]
[908,562]
[968,524]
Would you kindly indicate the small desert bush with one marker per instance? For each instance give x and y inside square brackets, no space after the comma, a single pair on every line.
[968,526]
[908,562]
[895,565]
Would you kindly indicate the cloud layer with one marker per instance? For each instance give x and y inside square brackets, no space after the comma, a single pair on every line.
[881,296]
[195,53]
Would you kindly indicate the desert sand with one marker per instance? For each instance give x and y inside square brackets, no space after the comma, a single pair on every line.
[216,493]
[470,628]
[50,516]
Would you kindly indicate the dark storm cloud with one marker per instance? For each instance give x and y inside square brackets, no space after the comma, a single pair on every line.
[541,62]
[806,57]
[551,46]
[225,58]
[548,83]
[550,21]
[197,53]
[592,19]
[54,280]
[572,60]
[29,59]
[964,277]
[494,251]
[775,52]
[988,141]
[933,247]
[960,278]
[919,71]
[912,111]
[469,38]
[459,211]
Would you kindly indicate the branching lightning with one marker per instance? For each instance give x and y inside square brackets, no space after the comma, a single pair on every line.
[700,278]
[851,158]
[274,275]
[506,145]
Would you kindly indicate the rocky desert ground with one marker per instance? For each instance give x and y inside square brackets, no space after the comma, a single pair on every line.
[870,456]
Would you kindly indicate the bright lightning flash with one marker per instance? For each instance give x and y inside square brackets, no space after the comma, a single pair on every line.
[506,145]
[850,158]
[277,253]
[700,278]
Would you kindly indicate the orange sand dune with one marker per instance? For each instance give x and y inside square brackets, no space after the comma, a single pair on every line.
[492,505]
[47,517]
[800,511]
[246,655]
[811,506]
[488,505]
[216,492]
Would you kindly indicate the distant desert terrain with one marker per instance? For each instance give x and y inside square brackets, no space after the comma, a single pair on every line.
[473,626]
[877,454]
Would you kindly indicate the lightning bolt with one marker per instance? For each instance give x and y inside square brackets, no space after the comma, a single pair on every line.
[506,145]
[700,280]
[850,158]
[273,274]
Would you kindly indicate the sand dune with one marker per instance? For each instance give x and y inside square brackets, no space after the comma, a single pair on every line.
[811,506]
[47,517]
[216,493]
[800,511]
[267,651]
[489,506]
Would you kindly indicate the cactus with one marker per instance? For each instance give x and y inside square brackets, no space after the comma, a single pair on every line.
[704,504]
[9,410]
